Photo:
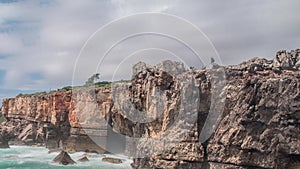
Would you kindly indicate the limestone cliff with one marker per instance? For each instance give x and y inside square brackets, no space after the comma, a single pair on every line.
[259,126]
[168,115]
[47,119]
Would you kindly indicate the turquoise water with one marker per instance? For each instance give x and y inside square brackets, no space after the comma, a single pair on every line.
[24,157]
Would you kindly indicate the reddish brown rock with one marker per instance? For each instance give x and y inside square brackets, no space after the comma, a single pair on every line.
[51,118]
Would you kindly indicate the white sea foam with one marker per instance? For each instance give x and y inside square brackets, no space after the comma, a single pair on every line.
[25,157]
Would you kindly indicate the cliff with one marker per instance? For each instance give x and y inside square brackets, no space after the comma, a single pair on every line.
[258,126]
[242,116]
[49,119]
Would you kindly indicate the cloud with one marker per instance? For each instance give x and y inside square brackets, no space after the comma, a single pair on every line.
[124,8]
[40,40]
[49,46]
[244,29]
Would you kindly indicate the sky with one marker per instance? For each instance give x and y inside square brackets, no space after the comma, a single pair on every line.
[40,41]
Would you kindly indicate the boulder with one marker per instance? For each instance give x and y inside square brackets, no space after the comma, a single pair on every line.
[63,158]
[3,143]
[83,159]
[112,160]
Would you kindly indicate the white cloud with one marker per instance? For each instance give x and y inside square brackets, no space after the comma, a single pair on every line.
[62,28]
[125,8]
[46,38]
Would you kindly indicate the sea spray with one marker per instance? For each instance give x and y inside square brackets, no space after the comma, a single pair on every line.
[26,157]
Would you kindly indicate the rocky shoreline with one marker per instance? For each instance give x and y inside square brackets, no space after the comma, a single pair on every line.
[258,128]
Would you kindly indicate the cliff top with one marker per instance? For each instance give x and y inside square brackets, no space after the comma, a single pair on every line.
[284,60]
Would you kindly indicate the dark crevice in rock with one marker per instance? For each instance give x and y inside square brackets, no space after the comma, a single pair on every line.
[233,164]
[169,159]
[205,164]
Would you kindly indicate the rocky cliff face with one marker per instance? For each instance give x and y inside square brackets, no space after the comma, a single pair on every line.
[259,126]
[37,118]
[170,118]
[48,119]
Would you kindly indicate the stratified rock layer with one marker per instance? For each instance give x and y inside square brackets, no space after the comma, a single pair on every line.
[51,119]
[165,108]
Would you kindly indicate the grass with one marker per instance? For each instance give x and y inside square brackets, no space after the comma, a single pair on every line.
[105,84]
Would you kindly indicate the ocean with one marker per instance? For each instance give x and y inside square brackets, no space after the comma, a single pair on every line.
[25,157]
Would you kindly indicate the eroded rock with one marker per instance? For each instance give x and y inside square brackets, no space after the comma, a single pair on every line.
[3,142]
[63,158]
[83,159]
[112,160]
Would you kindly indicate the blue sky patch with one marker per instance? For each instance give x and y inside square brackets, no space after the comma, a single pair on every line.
[6,93]
[36,76]
[8,1]
[3,56]
[9,26]
[2,75]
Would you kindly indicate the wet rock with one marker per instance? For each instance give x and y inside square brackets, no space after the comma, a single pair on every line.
[3,142]
[112,160]
[83,159]
[63,158]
